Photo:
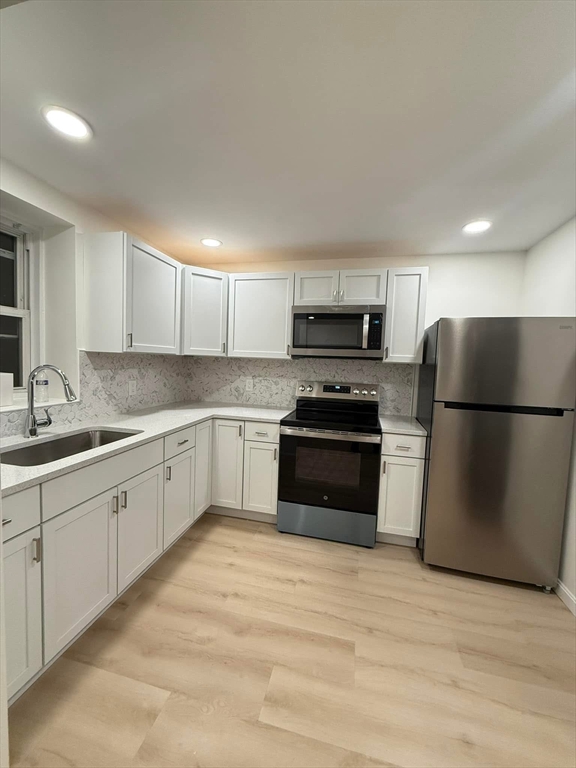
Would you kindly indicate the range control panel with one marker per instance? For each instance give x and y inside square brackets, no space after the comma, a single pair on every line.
[343,391]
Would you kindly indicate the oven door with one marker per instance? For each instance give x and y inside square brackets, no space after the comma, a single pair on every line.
[320,332]
[326,470]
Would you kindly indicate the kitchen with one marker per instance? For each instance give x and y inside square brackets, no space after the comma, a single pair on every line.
[220,530]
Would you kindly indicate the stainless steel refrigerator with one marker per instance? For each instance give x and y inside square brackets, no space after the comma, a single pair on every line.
[497,397]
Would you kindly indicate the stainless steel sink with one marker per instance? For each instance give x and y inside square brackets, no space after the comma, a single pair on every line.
[60,447]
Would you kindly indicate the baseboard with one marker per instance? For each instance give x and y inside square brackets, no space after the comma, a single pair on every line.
[392,538]
[243,514]
[566,596]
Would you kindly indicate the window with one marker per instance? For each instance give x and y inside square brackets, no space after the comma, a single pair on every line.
[14,305]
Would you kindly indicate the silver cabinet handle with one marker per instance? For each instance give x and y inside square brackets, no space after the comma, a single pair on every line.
[239,430]
[275,454]
[335,294]
[403,448]
[37,550]
[124,499]
[115,505]
[168,474]
[385,353]
[223,347]
[262,434]
[6,520]
[183,442]
[129,340]
[341,294]
[383,467]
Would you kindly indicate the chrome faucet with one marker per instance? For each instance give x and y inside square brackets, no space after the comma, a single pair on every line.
[32,423]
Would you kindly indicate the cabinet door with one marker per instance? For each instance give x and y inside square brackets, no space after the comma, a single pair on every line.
[260,477]
[79,569]
[228,459]
[316,288]
[405,310]
[400,499]
[23,609]
[139,524]
[178,495]
[205,312]
[203,482]
[260,310]
[153,300]
[362,286]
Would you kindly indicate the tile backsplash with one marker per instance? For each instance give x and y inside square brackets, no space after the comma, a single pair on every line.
[162,379]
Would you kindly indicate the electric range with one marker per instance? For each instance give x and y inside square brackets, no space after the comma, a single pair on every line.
[329,473]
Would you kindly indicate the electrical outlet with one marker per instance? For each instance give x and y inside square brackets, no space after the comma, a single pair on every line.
[250,384]
[132,387]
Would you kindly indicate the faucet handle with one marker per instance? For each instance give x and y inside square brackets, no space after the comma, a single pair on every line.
[44,422]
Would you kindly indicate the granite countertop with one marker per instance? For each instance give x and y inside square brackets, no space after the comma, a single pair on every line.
[153,424]
[402,425]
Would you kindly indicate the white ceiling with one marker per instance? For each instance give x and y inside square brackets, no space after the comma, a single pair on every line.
[306,127]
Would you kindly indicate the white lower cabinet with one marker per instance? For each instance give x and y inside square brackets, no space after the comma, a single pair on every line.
[79,569]
[228,461]
[23,608]
[400,500]
[140,526]
[203,481]
[260,477]
[178,495]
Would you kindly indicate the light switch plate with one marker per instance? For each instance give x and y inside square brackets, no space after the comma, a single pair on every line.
[132,387]
[250,384]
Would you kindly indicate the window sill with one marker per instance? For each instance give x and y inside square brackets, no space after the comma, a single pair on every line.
[20,404]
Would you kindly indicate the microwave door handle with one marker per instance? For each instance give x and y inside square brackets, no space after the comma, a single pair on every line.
[365,327]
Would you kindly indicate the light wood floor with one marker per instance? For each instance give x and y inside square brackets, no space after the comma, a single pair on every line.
[244,647]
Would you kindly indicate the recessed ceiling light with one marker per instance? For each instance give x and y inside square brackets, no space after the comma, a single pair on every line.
[67,123]
[476,227]
[210,242]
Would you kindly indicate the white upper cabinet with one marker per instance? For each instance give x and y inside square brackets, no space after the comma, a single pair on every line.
[362,286]
[405,310]
[204,312]
[132,296]
[316,288]
[259,314]
[352,287]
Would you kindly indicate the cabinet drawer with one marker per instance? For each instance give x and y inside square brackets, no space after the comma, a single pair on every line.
[262,431]
[20,512]
[72,489]
[403,445]
[179,442]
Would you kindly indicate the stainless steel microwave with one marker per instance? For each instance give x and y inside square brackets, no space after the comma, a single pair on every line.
[338,331]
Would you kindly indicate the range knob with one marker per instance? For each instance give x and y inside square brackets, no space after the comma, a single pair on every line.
[301,387]
[309,387]
[356,392]
[364,391]
[373,393]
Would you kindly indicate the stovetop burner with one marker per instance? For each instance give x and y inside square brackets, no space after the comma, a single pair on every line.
[339,407]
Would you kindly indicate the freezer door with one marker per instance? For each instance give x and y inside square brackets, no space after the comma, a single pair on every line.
[497,493]
[507,361]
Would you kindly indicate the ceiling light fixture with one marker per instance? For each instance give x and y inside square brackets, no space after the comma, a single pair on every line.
[476,227]
[210,242]
[69,124]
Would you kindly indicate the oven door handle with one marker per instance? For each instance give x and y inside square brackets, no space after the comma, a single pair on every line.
[292,432]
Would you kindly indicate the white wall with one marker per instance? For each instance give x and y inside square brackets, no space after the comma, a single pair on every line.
[466,285]
[550,289]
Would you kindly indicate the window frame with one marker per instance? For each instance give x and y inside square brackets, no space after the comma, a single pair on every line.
[24,309]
